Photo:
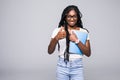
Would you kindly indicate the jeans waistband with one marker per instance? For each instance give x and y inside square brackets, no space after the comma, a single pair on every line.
[72,56]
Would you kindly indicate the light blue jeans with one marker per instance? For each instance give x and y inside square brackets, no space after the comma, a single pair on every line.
[73,70]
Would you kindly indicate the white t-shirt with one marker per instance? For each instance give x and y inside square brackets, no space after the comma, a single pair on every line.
[62,42]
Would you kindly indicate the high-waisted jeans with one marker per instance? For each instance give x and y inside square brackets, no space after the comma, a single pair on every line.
[72,70]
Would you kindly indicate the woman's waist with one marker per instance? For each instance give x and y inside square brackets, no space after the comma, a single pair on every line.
[72,56]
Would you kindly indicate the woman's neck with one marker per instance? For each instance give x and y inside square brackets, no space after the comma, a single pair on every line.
[73,28]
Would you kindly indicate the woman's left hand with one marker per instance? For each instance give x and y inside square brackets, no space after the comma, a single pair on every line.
[72,36]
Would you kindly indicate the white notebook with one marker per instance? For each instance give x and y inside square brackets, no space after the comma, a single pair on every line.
[82,36]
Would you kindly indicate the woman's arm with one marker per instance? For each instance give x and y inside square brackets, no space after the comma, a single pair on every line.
[85,48]
[52,45]
[60,35]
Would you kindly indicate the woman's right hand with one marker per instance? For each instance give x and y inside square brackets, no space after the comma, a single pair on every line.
[61,34]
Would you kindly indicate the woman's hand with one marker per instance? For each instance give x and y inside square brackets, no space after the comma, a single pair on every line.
[72,36]
[61,34]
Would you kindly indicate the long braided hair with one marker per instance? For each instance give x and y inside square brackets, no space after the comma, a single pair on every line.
[64,23]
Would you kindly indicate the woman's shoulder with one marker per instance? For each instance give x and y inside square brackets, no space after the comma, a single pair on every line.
[84,30]
[56,29]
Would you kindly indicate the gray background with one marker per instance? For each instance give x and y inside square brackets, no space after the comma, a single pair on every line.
[26,27]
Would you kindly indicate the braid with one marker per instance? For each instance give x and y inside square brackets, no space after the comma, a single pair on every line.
[66,54]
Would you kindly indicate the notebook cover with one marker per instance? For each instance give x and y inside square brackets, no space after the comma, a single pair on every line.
[82,36]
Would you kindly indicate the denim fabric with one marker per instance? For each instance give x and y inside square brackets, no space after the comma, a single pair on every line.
[72,70]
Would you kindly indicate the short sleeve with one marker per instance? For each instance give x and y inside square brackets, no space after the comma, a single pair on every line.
[54,33]
[88,37]
[86,31]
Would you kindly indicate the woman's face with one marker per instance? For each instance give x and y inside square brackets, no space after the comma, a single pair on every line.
[71,18]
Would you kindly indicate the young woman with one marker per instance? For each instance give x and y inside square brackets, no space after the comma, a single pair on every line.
[73,42]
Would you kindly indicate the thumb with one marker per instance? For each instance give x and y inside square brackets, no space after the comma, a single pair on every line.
[70,31]
[73,33]
[62,29]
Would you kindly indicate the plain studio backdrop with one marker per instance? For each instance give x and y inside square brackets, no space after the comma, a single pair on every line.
[26,27]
